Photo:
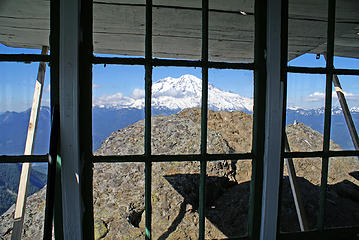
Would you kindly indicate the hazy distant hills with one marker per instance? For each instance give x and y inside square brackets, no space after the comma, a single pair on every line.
[13,129]
[9,182]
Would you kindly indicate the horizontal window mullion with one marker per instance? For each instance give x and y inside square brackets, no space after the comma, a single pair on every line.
[347,153]
[322,70]
[171,62]
[339,71]
[118,60]
[24,58]
[23,158]
[227,65]
[309,70]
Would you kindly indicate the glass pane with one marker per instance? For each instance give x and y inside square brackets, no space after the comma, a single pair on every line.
[307,31]
[231,31]
[18,81]
[174,91]
[35,204]
[118,198]
[24,26]
[305,112]
[118,108]
[175,198]
[177,32]
[15,50]
[346,63]
[119,28]
[346,35]
[343,192]
[308,60]
[308,176]
[228,190]
[349,93]
[230,100]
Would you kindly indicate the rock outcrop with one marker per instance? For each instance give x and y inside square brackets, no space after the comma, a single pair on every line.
[119,187]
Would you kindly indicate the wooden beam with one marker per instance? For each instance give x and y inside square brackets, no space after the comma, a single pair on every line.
[273,123]
[72,167]
[29,146]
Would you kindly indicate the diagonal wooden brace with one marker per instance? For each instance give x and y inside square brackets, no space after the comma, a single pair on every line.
[29,146]
[297,196]
[344,105]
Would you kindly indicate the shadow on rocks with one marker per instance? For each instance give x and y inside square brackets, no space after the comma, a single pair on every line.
[227,203]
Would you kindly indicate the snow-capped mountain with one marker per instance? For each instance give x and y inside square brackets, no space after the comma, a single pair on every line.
[180,93]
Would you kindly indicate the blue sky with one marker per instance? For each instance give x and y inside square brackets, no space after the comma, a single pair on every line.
[304,90]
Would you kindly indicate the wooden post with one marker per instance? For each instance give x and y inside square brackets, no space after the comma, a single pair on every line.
[26,167]
[273,122]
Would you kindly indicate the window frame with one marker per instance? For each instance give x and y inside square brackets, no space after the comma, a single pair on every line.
[258,66]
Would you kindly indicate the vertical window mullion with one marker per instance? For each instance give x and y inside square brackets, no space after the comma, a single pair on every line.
[255,198]
[284,76]
[204,113]
[85,118]
[53,205]
[328,111]
[148,87]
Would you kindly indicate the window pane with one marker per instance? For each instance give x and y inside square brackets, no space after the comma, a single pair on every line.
[340,133]
[307,31]
[230,101]
[24,26]
[15,50]
[177,32]
[118,108]
[343,192]
[228,190]
[346,35]
[35,204]
[18,81]
[175,90]
[119,28]
[305,112]
[231,31]
[118,197]
[308,172]
[308,60]
[175,199]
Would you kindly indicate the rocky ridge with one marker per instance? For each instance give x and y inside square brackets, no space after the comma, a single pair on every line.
[119,188]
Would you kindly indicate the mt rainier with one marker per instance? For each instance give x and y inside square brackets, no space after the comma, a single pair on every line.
[178,93]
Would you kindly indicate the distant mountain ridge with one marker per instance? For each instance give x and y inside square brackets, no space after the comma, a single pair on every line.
[310,111]
[169,96]
[314,118]
[13,130]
